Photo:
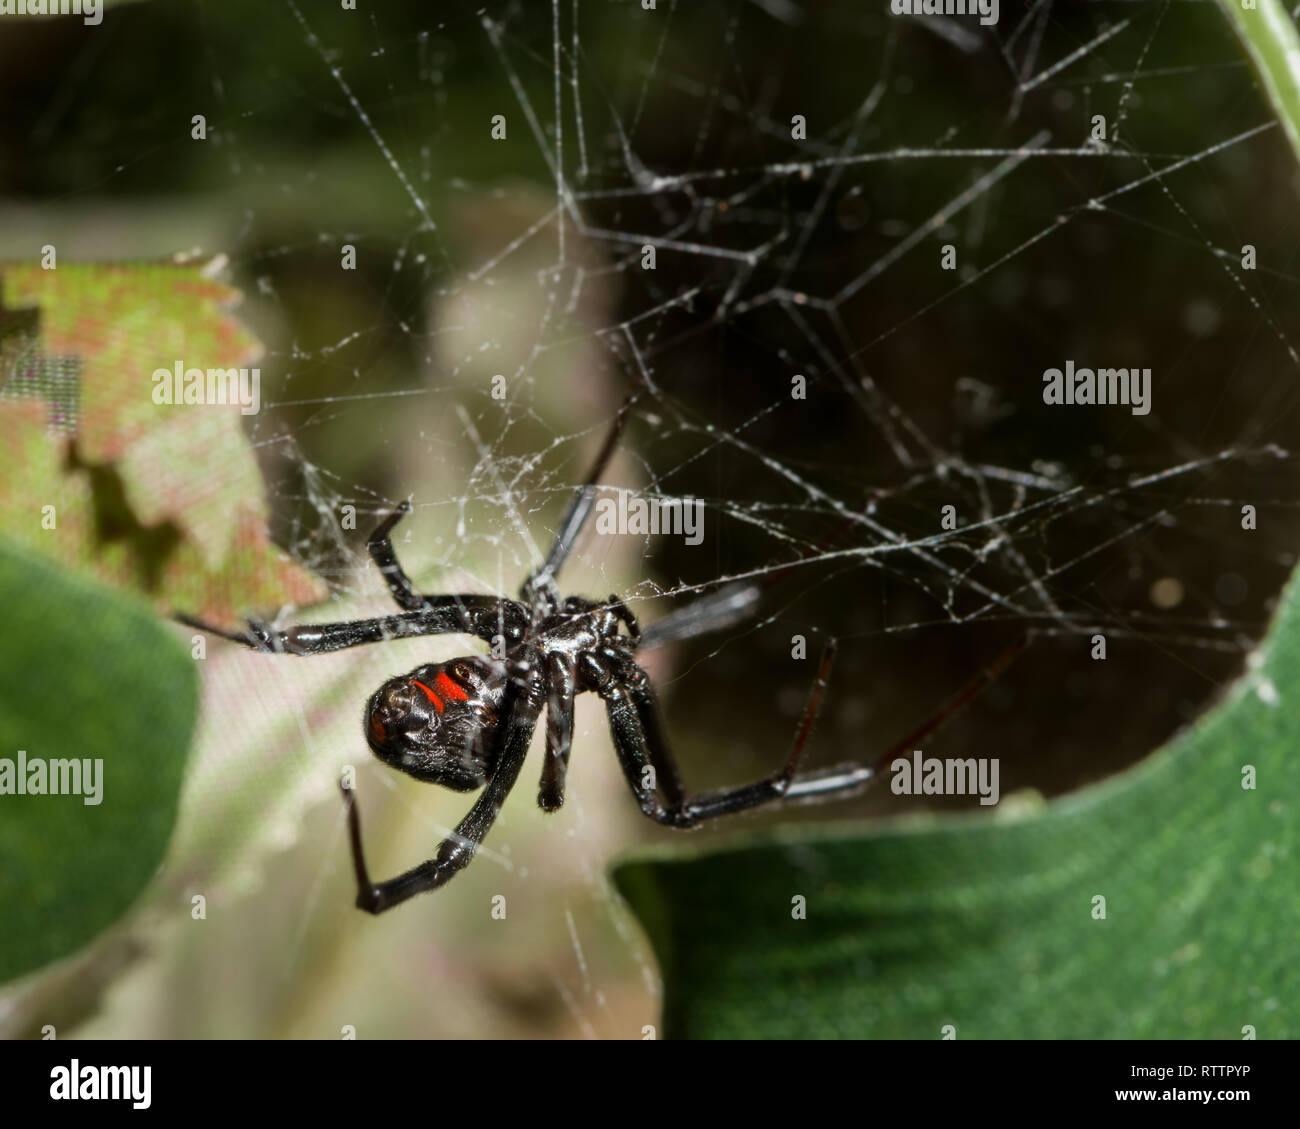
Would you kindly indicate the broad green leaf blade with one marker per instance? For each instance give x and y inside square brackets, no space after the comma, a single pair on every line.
[92,675]
[988,924]
[1269,35]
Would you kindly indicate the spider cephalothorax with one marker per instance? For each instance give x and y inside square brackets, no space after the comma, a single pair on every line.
[467,723]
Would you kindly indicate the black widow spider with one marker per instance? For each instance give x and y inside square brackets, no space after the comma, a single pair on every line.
[467,723]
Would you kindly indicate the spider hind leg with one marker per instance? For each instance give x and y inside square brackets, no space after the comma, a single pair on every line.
[650,769]
[520,711]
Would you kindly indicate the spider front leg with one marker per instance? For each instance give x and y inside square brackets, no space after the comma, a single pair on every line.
[511,619]
[485,617]
[540,586]
[519,713]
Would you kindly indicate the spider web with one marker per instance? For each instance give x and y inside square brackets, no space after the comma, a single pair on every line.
[801,361]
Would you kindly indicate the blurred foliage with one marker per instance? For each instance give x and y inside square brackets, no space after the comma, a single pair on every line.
[102,480]
[162,498]
[1269,35]
[88,674]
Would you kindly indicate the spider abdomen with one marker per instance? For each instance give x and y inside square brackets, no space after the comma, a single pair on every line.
[436,723]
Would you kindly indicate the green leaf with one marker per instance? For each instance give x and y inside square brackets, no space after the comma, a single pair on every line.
[1269,35]
[90,674]
[986,923]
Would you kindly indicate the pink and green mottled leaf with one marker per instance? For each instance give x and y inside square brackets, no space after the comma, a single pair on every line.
[164,498]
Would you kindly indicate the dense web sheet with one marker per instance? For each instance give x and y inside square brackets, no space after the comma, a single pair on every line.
[740,214]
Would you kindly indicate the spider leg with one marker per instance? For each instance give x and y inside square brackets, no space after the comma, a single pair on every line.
[837,781]
[521,709]
[380,547]
[381,552]
[576,513]
[639,741]
[485,617]
[623,612]
[561,683]
[669,780]
[722,608]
